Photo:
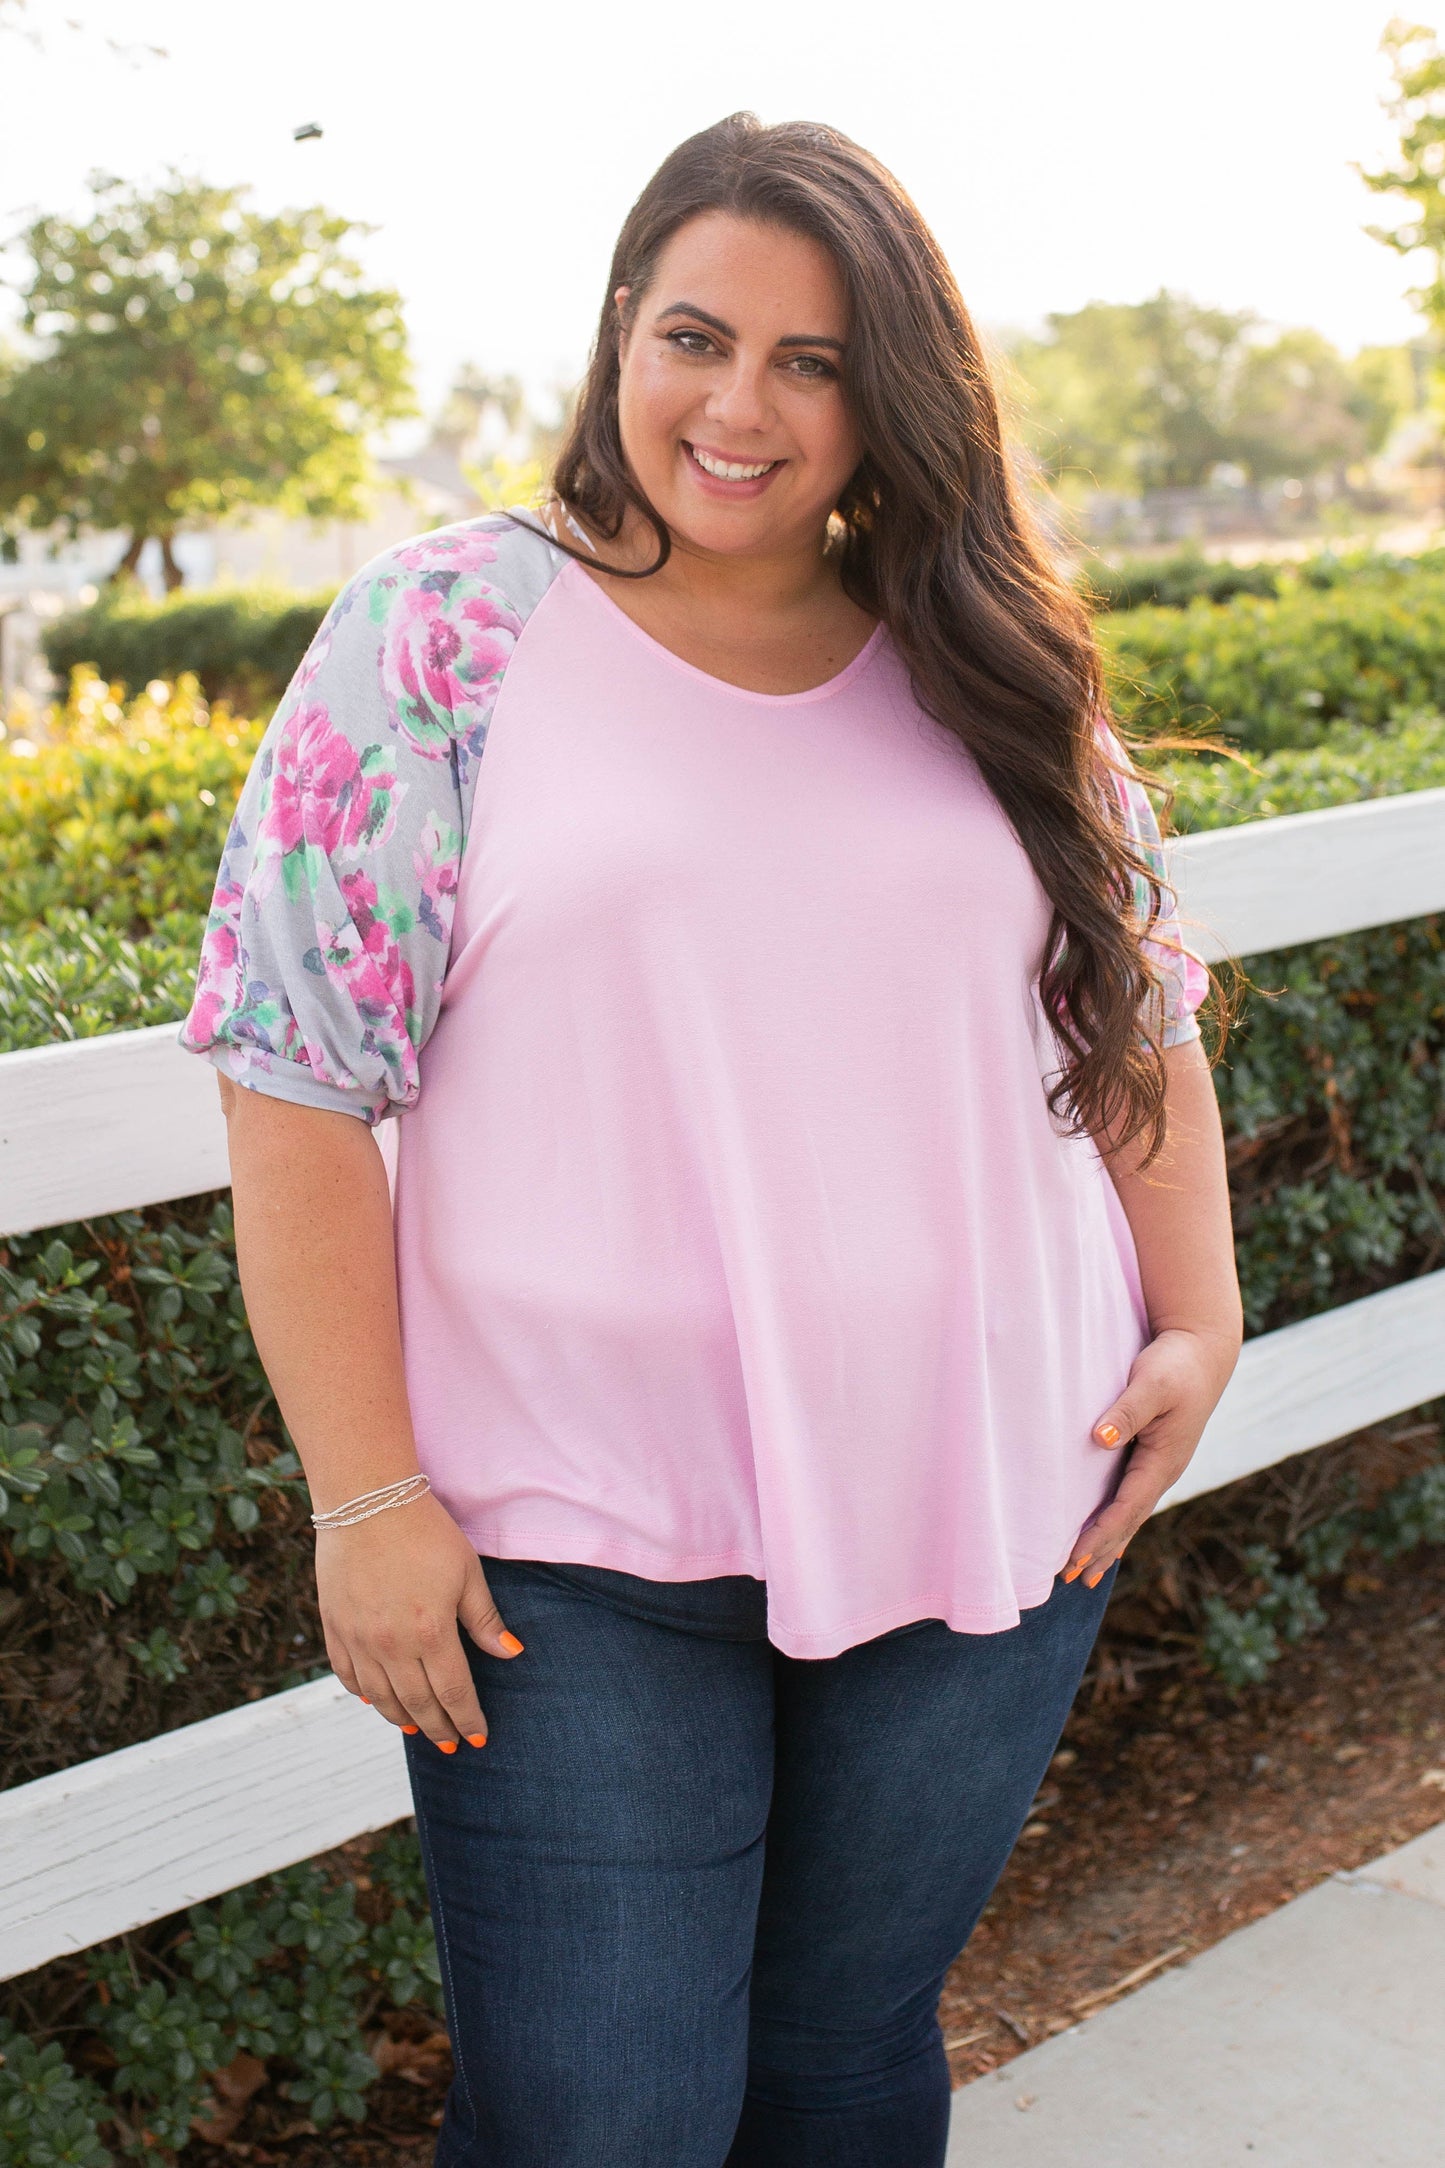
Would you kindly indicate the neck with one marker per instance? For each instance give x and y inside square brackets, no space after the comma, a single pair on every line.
[776,581]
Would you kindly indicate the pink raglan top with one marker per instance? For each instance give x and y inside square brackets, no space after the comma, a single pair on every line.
[733,1232]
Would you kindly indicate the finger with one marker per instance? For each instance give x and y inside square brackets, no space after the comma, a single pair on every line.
[374,1688]
[410,1685]
[339,1658]
[1152,1468]
[1143,1400]
[454,1689]
[481,1618]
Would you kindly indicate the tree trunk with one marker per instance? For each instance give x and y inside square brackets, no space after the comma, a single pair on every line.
[170,570]
[126,569]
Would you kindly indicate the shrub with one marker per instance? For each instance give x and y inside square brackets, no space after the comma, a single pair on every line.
[1353,762]
[71,978]
[1187,575]
[287,1979]
[124,814]
[241,643]
[1274,672]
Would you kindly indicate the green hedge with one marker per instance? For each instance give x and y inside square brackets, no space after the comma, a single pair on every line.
[242,643]
[1187,575]
[153,1517]
[124,814]
[1278,672]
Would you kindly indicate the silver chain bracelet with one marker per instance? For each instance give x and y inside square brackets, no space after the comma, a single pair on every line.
[404,1493]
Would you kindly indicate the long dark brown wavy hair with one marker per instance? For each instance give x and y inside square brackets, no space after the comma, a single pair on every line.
[937,542]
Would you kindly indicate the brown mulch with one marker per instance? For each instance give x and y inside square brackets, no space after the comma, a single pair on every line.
[1171,1819]
[1172,1816]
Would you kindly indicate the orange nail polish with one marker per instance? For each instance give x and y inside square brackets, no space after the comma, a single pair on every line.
[476,1738]
[1074,1571]
[364,1702]
[1094,1579]
[1110,1433]
[411,1730]
[446,1746]
[511,1644]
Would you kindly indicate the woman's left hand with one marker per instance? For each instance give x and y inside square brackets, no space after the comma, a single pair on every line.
[1159,1418]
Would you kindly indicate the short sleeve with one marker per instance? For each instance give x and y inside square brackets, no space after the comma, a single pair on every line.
[1183,979]
[326,946]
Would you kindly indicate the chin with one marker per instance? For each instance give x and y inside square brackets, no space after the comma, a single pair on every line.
[720,530]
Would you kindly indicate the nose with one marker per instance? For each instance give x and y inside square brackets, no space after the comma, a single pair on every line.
[738,398]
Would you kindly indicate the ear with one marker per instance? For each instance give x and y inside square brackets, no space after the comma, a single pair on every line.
[619,302]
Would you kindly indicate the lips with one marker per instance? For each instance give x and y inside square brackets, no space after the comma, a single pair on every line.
[720,468]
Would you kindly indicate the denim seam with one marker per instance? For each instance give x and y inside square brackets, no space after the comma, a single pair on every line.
[438,1913]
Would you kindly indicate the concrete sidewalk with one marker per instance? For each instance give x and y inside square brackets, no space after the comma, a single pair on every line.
[1313,2039]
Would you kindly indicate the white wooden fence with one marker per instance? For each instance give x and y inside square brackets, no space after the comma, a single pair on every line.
[111,1124]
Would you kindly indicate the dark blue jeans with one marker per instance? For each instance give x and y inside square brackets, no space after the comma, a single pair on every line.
[694,1899]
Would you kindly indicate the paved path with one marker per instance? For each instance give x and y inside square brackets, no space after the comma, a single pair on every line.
[1313,2039]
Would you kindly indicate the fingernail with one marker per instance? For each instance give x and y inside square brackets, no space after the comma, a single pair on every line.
[364,1702]
[411,1730]
[1109,1432]
[446,1746]
[1074,1571]
[511,1644]
[476,1738]
[1094,1579]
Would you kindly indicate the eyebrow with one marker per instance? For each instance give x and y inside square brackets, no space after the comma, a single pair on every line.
[715,323]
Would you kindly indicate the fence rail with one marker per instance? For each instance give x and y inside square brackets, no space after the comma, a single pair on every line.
[116,1123]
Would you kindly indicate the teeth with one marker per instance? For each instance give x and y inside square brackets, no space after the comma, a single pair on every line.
[730,470]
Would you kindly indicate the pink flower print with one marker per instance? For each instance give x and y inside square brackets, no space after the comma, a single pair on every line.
[465,549]
[219,975]
[437,860]
[365,958]
[446,645]
[320,796]
[314,657]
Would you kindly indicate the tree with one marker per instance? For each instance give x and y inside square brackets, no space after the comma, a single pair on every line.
[1132,394]
[1298,407]
[1418,109]
[188,357]
[1159,393]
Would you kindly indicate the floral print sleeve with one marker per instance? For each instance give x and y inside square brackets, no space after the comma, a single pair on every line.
[327,943]
[1183,980]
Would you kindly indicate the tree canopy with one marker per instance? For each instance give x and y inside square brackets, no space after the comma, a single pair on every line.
[1157,394]
[1418,110]
[186,357]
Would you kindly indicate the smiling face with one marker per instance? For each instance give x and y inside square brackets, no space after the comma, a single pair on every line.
[730,400]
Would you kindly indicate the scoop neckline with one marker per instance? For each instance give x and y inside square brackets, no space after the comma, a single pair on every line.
[829,686]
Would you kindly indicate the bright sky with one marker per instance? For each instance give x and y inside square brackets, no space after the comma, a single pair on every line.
[1063,151]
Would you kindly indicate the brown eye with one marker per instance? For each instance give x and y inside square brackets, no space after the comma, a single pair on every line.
[681,339]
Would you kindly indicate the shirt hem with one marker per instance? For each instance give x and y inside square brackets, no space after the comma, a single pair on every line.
[814,1643]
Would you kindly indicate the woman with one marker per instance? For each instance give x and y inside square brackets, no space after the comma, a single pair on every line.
[811,1184]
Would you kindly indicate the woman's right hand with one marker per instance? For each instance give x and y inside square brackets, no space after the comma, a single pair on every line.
[394,1590]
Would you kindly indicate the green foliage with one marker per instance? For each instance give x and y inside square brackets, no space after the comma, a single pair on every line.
[50,2116]
[285,1970]
[1182,577]
[1186,575]
[124,816]
[241,643]
[189,357]
[71,978]
[1354,762]
[1413,178]
[132,1405]
[1157,393]
[1273,672]
[1241,1642]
